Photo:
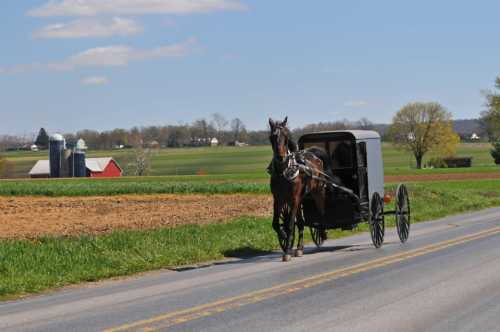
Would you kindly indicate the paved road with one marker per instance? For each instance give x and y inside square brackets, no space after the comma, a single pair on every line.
[446,278]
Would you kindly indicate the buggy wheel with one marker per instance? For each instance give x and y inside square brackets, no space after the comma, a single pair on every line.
[318,236]
[284,220]
[377,222]
[402,214]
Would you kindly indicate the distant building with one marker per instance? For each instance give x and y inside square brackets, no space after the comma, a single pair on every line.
[96,168]
[237,143]
[474,137]
[214,142]
[154,145]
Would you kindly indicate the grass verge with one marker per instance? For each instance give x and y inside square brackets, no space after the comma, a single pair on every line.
[34,266]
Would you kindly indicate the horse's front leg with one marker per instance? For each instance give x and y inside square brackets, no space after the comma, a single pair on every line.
[290,234]
[300,225]
[276,219]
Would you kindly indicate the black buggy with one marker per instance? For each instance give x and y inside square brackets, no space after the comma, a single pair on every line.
[356,160]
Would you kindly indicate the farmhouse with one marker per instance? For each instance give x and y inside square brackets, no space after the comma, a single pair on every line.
[96,168]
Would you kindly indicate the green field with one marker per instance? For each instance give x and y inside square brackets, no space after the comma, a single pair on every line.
[248,161]
[34,266]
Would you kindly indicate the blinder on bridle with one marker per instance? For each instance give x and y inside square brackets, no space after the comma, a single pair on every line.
[279,137]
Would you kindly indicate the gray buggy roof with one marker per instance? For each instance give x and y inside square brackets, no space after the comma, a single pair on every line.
[357,134]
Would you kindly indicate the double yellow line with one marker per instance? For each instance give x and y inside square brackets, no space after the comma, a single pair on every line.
[182,316]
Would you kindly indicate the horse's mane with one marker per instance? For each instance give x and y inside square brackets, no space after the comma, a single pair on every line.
[292,146]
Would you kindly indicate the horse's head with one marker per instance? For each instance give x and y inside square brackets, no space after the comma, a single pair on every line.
[279,137]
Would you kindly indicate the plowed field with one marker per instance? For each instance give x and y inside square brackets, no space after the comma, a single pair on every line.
[30,217]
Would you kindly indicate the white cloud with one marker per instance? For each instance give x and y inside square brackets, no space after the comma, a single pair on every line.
[120,55]
[356,103]
[132,7]
[84,28]
[109,56]
[95,80]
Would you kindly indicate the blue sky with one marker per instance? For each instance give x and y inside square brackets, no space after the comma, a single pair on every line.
[102,64]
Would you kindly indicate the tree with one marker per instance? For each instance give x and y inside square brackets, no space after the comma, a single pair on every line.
[423,127]
[491,117]
[238,129]
[364,124]
[42,140]
[490,120]
[220,123]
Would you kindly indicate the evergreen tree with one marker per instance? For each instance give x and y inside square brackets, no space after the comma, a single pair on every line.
[42,140]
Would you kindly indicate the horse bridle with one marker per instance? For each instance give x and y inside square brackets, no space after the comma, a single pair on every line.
[277,133]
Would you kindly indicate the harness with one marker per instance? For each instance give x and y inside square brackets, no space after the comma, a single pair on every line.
[296,162]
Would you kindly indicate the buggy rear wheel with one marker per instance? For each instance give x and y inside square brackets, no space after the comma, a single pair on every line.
[402,213]
[377,221]
[318,236]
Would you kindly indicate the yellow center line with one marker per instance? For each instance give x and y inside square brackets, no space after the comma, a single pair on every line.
[209,309]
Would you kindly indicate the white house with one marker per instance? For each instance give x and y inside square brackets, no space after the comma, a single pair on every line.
[474,137]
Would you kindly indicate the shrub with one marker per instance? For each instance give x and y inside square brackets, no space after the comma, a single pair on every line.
[495,152]
[436,163]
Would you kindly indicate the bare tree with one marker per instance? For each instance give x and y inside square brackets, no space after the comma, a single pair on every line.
[238,129]
[138,161]
[364,124]
[220,123]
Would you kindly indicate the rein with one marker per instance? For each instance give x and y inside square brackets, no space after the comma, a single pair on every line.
[296,162]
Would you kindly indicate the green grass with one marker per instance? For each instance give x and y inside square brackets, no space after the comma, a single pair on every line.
[34,266]
[132,185]
[248,161]
[227,169]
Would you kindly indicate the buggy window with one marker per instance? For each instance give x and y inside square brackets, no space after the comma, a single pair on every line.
[341,154]
[321,145]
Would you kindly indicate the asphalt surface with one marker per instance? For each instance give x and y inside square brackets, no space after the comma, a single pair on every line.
[445,278]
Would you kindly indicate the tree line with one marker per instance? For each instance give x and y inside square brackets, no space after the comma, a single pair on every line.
[197,133]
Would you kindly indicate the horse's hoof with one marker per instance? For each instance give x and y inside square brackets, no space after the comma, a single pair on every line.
[287,258]
[299,253]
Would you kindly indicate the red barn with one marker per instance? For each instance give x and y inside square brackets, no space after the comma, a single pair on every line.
[102,168]
[96,168]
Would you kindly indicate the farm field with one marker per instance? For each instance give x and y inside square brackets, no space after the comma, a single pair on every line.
[54,256]
[221,170]
[249,161]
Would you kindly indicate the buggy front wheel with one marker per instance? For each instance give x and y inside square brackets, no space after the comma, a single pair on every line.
[318,236]
[284,220]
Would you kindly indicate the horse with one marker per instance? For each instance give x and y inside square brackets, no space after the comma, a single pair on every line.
[293,173]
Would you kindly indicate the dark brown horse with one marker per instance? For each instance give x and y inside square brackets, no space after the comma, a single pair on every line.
[293,173]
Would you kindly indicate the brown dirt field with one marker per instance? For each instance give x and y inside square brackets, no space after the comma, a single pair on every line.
[441,177]
[30,217]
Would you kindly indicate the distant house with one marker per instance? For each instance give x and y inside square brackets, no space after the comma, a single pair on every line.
[96,168]
[474,137]
[237,143]
[214,142]
[154,145]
